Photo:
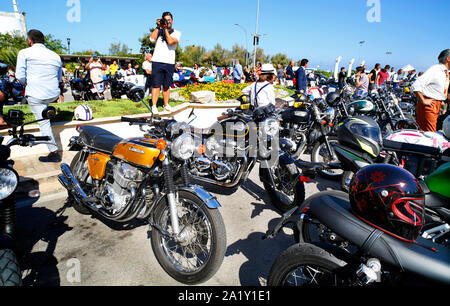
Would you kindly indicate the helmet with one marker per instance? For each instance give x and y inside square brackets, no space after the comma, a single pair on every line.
[446,127]
[361,133]
[333,98]
[83,112]
[406,90]
[301,97]
[389,198]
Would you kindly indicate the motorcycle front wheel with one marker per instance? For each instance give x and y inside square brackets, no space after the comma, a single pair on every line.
[285,197]
[199,253]
[10,274]
[321,154]
[305,265]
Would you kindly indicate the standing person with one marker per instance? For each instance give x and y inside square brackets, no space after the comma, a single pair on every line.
[262,92]
[300,75]
[163,61]
[391,74]
[280,75]
[382,76]
[41,70]
[341,78]
[373,76]
[96,73]
[289,73]
[61,87]
[196,71]
[431,89]
[396,79]
[362,83]
[114,67]
[147,67]
[237,72]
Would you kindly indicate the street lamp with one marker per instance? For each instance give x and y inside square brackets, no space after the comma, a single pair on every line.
[246,43]
[387,55]
[361,43]
[68,44]
[256,36]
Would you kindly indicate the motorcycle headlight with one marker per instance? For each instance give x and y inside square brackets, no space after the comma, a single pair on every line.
[8,182]
[330,114]
[183,147]
[271,127]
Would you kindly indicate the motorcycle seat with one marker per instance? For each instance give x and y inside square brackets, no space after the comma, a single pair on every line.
[422,257]
[410,148]
[99,138]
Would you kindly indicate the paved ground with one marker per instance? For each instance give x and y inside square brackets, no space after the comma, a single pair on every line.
[51,247]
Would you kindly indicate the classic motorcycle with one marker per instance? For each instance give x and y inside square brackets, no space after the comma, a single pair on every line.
[348,251]
[146,178]
[10,272]
[118,86]
[229,150]
[83,90]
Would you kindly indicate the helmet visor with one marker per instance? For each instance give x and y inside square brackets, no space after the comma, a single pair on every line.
[409,217]
[372,132]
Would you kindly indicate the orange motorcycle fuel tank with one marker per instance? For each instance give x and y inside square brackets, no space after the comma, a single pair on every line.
[141,152]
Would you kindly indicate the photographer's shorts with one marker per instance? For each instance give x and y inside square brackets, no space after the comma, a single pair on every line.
[162,74]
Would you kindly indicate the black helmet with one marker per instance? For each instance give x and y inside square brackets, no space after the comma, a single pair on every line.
[361,133]
[389,198]
[333,98]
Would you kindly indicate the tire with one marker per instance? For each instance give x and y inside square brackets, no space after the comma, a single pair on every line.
[209,220]
[305,255]
[78,207]
[10,274]
[278,198]
[316,157]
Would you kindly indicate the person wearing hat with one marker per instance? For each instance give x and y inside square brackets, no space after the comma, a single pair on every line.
[96,69]
[262,92]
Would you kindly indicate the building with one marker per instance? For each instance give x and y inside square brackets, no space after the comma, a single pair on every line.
[13,22]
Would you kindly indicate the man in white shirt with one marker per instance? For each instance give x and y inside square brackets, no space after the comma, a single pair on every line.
[41,70]
[431,89]
[163,61]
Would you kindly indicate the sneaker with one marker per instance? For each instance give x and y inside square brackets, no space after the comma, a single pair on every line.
[168,108]
[154,110]
[53,157]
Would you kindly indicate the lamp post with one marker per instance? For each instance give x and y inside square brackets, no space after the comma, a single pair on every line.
[256,36]
[361,43]
[68,44]
[246,43]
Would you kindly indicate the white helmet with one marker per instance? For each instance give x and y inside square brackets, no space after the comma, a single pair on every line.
[83,112]
[446,127]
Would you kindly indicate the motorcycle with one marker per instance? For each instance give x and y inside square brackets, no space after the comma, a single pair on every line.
[308,127]
[118,87]
[354,253]
[83,90]
[10,273]
[146,178]
[13,89]
[230,148]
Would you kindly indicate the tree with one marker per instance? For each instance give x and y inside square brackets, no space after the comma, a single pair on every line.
[193,55]
[238,52]
[54,44]
[281,59]
[220,57]
[119,49]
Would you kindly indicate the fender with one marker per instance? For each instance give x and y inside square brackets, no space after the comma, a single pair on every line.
[209,200]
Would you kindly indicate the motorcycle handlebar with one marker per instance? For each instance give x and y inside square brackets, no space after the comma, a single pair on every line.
[135,120]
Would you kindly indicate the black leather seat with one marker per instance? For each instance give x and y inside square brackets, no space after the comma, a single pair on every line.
[99,138]
[422,257]
[410,148]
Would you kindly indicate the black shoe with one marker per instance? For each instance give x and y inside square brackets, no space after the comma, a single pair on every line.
[53,157]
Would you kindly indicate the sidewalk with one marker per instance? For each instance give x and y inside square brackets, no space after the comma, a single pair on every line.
[36,175]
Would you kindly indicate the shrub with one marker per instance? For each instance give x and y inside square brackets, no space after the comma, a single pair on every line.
[224,91]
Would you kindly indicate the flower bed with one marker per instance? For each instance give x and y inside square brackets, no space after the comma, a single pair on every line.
[224,91]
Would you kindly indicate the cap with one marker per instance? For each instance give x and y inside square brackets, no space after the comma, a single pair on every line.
[267,69]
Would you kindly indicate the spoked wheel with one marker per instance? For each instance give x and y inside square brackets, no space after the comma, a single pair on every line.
[289,193]
[81,173]
[197,253]
[321,154]
[305,265]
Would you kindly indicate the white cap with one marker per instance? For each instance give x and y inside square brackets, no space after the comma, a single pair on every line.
[267,69]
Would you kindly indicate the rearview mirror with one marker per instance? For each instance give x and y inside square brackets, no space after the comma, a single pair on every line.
[49,112]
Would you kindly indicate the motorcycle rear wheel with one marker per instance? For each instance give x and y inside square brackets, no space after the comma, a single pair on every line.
[10,274]
[78,207]
[199,257]
[320,154]
[305,265]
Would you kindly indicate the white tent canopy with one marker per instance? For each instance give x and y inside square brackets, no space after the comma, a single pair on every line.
[408,68]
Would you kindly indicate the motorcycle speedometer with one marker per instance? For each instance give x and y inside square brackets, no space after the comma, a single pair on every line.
[8,182]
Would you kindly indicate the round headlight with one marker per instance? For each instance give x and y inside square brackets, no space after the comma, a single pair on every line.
[271,127]
[183,147]
[330,114]
[8,182]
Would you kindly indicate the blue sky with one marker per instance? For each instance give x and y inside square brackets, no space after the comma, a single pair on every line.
[415,31]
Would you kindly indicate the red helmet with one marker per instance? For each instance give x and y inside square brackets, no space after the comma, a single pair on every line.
[389,198]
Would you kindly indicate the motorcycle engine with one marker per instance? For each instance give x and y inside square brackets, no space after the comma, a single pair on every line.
[119,191]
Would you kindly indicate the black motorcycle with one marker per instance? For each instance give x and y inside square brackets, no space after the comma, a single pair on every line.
[229,150]
[118,87]
[10,274]
[309,127]
[83,90]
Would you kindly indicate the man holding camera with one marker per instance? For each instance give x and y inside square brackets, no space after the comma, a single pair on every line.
[163,61]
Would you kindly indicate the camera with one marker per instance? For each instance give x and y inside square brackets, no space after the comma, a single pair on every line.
[163,22]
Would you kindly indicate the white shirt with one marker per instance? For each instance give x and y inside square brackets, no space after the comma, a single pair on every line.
[147,66]
[165,53]
[433,83]
[266,95]
[41,70]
